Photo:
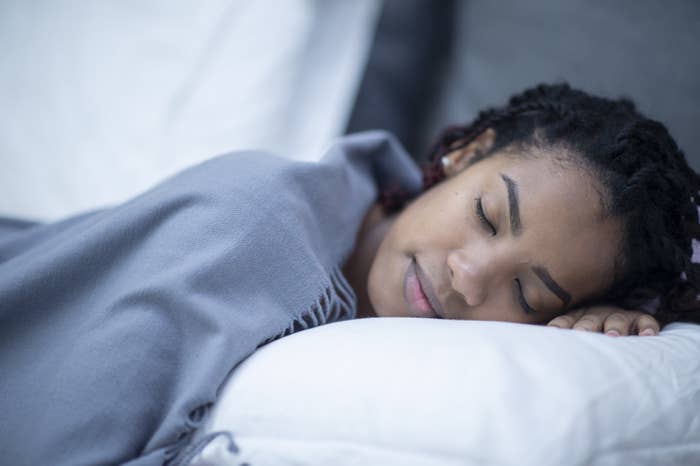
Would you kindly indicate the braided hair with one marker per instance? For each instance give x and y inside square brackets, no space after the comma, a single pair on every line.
[645,178]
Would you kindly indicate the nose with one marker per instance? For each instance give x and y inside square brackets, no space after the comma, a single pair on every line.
[469,276]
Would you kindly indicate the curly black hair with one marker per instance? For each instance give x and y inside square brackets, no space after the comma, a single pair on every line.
[645,178]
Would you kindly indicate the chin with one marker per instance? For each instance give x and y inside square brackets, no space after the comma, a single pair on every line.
[390,311]
[379,290]
[376,304]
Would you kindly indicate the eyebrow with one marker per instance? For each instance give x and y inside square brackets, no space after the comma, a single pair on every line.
[516,228]
[553,286]
[513,205]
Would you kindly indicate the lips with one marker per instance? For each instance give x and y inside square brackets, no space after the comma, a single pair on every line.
[429,291]
[419,293]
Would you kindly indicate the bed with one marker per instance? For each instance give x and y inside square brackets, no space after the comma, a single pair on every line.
[100,93]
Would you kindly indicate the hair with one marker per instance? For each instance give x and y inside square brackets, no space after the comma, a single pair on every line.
[645,180]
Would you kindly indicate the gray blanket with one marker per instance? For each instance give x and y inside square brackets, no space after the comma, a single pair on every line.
[117,327]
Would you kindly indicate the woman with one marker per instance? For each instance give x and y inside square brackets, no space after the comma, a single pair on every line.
[118,327]
[582,213]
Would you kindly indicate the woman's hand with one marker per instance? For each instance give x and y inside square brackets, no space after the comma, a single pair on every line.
[611,320]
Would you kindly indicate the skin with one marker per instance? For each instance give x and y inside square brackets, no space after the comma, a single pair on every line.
[472,269]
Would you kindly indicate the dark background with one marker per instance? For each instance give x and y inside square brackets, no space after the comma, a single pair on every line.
[435,63]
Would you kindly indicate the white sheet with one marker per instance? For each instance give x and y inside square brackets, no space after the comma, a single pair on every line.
[402,391]
[103,99]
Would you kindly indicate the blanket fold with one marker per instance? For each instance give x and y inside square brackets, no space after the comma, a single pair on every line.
[118,326]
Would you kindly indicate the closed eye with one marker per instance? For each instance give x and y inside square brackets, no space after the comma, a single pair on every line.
[479,208]
[518,289]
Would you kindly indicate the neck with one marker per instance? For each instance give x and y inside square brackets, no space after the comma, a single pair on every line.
[374,227]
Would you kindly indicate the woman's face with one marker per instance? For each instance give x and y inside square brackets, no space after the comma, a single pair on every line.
[510,238]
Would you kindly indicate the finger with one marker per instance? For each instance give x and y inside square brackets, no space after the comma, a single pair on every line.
[617,324]
[646,325]
[566,320]
[590,323]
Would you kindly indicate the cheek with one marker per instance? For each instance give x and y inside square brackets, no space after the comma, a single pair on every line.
[437,220]
[429,227]
[384,284]
[501,312]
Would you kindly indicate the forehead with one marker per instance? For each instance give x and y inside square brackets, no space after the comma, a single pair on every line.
[563,226]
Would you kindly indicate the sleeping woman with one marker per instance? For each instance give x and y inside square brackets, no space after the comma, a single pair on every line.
[580,212]
[118,327]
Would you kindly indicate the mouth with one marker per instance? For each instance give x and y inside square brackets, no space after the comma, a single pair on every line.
[419,293]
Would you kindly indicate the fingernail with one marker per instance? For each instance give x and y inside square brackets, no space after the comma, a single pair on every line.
[612,333]
[647,332]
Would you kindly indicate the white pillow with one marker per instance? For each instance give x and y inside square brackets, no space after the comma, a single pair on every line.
[403,391]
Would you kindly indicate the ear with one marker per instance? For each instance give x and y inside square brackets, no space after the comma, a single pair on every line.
[457,160]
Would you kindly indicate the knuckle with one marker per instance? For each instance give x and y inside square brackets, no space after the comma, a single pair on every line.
[617,318]
[562,321]
[590,310]
[621,327]
[648,320]
[568,320]
[647,325]
[587,323]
